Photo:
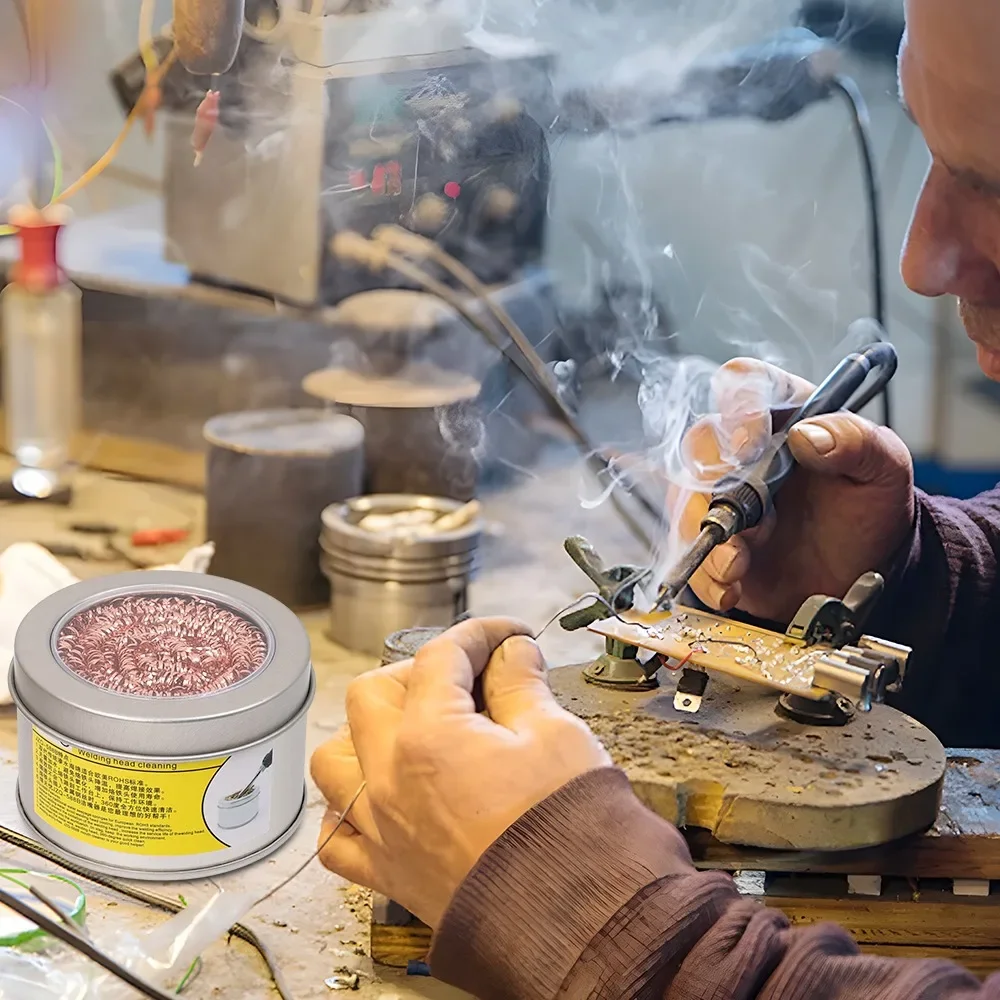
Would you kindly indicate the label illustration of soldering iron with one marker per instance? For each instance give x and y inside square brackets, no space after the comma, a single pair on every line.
[142,807]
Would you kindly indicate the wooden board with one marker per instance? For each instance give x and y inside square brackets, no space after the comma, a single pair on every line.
[136,457]
[739,770]
[958,930]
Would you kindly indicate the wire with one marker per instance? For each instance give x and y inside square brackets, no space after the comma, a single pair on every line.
[106,160]
[861,122]
[147,47]
[533,369]
[319,850]
[147,896]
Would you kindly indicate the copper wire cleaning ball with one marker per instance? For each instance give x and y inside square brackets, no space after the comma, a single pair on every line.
[160,646]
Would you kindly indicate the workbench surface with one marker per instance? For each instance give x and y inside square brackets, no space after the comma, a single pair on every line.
[318,923]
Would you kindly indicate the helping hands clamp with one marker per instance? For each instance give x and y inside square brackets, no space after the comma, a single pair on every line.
[618,667]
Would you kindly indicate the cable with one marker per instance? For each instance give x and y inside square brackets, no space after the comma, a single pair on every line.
[147,46]
[861,122]
[105,161]
[526,360]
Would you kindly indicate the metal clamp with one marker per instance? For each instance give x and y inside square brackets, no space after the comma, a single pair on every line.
[618,667]
[859,670]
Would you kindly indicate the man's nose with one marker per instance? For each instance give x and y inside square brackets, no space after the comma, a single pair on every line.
[940,254]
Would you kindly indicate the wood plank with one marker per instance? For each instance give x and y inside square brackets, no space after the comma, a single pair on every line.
[954,922]
[981,962]
[396,946]
[139,458]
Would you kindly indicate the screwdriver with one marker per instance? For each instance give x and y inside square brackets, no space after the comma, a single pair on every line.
[742,500]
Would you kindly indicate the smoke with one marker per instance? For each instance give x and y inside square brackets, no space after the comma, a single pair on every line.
[625,215]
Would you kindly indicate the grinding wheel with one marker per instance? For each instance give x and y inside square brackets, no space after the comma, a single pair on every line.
[757,779]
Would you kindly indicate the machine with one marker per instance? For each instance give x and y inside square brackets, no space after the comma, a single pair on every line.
[335,117]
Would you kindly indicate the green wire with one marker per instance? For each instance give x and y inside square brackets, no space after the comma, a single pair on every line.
[57,162]
[189,976]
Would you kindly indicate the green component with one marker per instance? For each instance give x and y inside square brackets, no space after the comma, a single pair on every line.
[618,667]
[15,931]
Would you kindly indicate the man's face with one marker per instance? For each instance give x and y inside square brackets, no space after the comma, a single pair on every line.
[949,75]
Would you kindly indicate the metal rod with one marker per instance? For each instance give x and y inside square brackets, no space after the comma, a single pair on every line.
[82,945]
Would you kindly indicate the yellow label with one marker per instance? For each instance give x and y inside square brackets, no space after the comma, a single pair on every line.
[135,807]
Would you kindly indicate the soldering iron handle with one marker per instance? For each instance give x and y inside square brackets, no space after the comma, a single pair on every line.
[838,389]
[750,493]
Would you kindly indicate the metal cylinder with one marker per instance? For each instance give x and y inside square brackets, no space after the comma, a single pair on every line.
[842,678]
[380,584]
[139,758]
[270,475]
[424,432]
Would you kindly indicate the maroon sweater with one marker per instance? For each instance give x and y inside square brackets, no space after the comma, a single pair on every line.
[944,601]
[590,895]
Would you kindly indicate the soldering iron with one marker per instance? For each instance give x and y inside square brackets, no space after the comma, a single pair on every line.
[741,501]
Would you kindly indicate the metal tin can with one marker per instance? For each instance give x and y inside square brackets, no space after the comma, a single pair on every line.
[124,762]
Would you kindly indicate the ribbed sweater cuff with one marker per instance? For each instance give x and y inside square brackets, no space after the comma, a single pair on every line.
[547,886]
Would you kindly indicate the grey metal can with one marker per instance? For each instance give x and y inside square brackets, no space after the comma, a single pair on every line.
[162,787]
[380,584]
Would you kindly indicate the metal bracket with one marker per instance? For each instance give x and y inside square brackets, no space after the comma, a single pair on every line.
[691,687]
[618,667]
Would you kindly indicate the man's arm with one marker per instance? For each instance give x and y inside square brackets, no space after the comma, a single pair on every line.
[589,895]
[943,601]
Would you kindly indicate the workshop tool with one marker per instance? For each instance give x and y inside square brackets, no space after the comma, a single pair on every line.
[384,581]
[823,666]
[41,317]
[802,770]
[421,127]
[742,500]
[270,474]
[67,898]
[57,929]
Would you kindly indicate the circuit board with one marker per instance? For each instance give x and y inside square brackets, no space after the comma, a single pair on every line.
[693,638]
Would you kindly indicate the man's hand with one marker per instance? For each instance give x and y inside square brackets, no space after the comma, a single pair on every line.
[444,781]
[847,509]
